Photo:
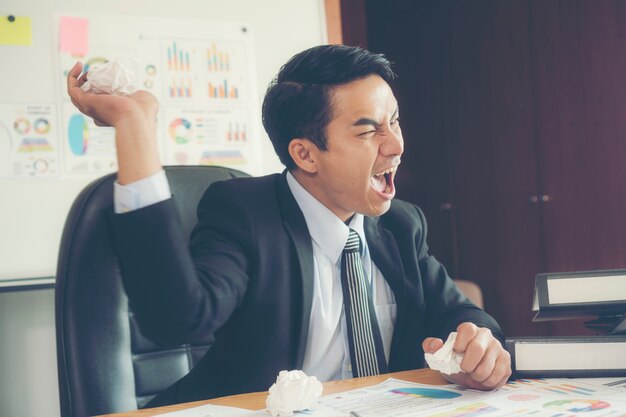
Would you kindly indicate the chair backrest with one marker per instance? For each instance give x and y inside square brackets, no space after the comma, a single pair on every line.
[105,364]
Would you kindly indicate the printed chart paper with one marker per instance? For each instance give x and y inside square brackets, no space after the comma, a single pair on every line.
[28,140]
[202,74]
[395,398]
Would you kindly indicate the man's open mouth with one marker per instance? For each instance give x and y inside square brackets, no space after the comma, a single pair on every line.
[383,181]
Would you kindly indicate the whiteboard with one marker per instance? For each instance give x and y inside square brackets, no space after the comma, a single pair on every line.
[35,196]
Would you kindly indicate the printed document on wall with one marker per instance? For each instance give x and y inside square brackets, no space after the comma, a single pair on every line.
[201,72]
[28,140]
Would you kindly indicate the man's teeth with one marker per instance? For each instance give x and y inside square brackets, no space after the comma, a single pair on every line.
[381,181]
[389,171]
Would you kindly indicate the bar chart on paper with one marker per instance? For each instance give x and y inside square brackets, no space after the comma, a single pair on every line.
[204,70]
[554,386]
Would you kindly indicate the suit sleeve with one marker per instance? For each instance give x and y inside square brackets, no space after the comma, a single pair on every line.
[446,306]
[181,293]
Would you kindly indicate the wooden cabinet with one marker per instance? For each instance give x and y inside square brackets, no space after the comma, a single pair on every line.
[514,117]
[580,115]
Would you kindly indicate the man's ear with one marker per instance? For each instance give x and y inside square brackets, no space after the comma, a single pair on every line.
[303,153]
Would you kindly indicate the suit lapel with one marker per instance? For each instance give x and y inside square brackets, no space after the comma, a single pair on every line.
[295,225]
[386,256]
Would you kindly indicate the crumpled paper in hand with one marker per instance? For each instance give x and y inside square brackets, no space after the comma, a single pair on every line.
[114,77]
[293,391]
[445,360]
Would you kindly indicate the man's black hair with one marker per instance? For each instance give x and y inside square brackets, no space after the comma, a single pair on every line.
[298,104]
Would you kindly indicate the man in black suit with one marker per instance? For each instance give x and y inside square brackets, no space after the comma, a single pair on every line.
[264,271]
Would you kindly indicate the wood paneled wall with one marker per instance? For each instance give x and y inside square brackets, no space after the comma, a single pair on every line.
[514,117]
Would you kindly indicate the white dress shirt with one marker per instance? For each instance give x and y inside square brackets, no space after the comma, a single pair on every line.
[140,194]
[327,354]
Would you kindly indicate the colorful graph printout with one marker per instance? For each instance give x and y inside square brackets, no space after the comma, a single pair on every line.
[217,60]
[87,148]
[78,134]
[204,70]
[470,410]
[555,386]
[227,158]
[208,136]
[419,400]
[180,131]
[42,126]
[34,145]
[236,132]
[178,59]
[21,125]
[28,140]
[202,74]
[223,90]
[426,392]
[397,398]
[576,405]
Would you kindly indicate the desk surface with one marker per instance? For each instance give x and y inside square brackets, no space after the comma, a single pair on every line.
[256,400]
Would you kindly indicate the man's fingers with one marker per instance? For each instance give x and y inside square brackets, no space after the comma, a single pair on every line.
[503,381]
[431,344]
[501,371]
[76,69]
[476,350]
[82,79]
[465,333]
[72,77]
[487,365]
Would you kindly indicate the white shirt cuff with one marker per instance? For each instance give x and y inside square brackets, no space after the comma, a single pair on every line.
[141,193]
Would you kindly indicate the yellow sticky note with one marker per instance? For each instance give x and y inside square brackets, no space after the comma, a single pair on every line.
[15,30]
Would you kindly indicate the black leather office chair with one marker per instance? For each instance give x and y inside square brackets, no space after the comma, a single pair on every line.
[105,364]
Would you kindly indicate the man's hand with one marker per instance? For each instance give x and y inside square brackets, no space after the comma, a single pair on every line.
[134,120]
[111,110]
[486,364]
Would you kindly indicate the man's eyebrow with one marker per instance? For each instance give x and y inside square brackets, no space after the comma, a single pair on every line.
[363,121]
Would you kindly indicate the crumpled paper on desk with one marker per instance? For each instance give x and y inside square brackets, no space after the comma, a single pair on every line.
[115,77]
[445,360]
[293,391]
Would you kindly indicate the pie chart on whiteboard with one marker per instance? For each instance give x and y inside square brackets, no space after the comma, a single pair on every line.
[180,131]
[78,134]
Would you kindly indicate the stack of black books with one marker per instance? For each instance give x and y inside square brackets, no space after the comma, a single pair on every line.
[600,297]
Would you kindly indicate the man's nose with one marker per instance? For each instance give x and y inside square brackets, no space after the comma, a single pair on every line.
[393,144]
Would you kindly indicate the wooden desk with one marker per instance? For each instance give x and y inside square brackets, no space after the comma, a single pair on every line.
[256,400]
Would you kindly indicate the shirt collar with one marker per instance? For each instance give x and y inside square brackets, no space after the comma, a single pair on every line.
[326,229]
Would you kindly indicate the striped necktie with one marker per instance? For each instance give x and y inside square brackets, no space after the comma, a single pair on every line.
[366,347]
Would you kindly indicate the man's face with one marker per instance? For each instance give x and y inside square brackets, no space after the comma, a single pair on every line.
[356,172]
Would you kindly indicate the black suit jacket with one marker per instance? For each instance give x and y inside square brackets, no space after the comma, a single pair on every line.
[247,279]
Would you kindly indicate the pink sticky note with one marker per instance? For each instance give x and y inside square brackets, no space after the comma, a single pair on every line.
[73,35]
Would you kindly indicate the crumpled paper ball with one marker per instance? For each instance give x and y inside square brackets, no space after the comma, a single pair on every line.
[293,391]
[445,360]
[114,77]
